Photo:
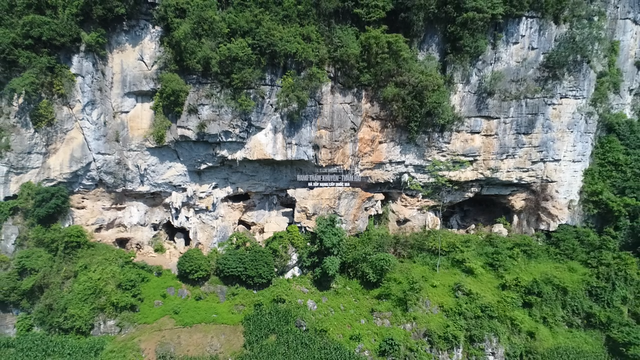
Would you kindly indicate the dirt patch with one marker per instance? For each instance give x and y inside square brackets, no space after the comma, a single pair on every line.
[197,340]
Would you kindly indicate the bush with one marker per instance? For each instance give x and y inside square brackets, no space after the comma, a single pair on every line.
[193,266]
[43,114]
[389,347]
[172,95]
[34,34]
[159,128]
[322,256]
[96,42]
[49,205]
[247,264]
[282,244]
[159,248]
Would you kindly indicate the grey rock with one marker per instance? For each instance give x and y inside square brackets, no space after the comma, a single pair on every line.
[362,321]
[301,324]
[8,238]
[171,291]
[105,326]
[514,143]
[324,299]
[8,324]
[300,302]
[157,303]
[183,293]
[311,305]
[304,290]
[499,229]
[220,290]
[382,318]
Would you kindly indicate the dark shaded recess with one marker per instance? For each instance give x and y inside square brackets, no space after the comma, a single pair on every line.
[238,198]
[171,232]
[480,209]
[288,202]
[244,223]
[123,243]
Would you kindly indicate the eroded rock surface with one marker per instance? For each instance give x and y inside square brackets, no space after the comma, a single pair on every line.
[527,149]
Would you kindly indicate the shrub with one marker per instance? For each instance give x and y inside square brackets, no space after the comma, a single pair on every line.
[282,244]
[96,42]
[193,266]
[159,128]
[159,248]
[43,114]
[49,205]
[172,94]
[248,265]
[389,347]
[322,257]
[24,324]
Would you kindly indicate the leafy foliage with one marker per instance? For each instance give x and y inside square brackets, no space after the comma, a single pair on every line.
[172,94]
[36,34]
[58,276]
[39,346]
[194,266]
[245,262]
[609,80]
[282,244]
[610,194]
[580,44]
[322,256]
[237,42]
[43,114]
[278,322]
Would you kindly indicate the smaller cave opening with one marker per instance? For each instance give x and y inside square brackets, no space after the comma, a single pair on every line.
[238,198]
[245,224]
[177,234]
[123,242]
[478,210]
[288,202]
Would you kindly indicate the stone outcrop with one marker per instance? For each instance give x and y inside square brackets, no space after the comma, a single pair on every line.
[527,149]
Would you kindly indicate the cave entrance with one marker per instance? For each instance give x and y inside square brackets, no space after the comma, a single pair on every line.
[178,235]
[123,243]
[480,209]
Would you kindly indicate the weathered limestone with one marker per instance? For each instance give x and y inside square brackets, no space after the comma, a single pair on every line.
[526,147]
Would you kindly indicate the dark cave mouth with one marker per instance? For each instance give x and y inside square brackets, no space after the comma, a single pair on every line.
[173,231]
[478,210]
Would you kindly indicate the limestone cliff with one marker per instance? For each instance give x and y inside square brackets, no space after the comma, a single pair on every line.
[527,149]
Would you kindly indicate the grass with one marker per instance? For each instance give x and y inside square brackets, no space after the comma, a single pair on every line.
[198,340]
[347,314]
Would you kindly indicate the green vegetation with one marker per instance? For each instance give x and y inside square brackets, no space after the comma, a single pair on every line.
[60,278]
[365,44]
[42,114]
[580,44]
[274,332]
[611,195]
[245,262]
[38,346]
[569,294]
[168,102]
[35,35]
[609,80]
[193,266]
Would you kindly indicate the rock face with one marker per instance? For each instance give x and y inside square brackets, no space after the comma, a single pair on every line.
[527,149]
